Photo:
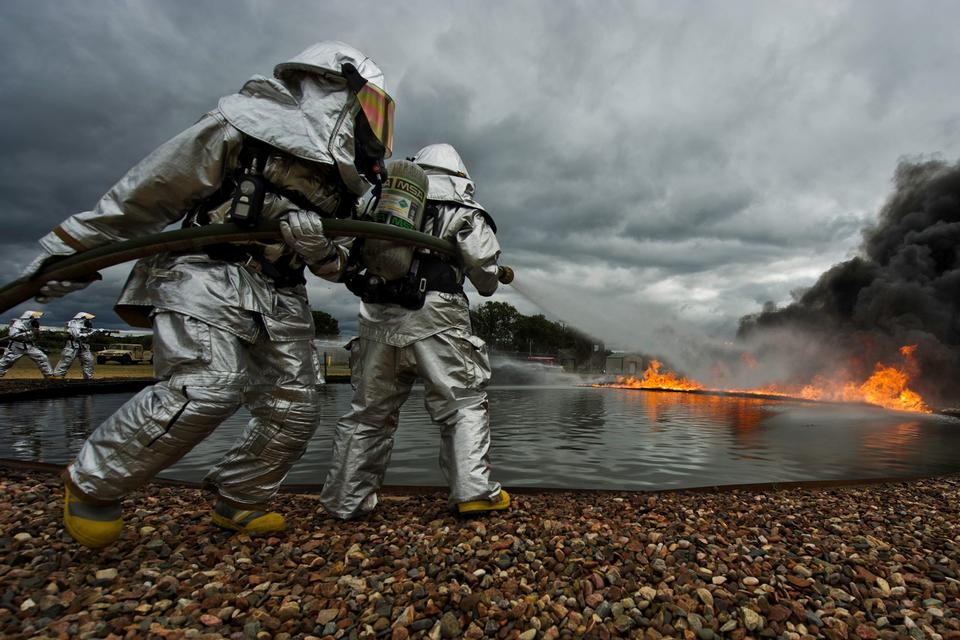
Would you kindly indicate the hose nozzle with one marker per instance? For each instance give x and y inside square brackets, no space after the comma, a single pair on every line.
[505,275]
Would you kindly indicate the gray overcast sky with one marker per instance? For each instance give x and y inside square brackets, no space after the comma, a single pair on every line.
[702,157]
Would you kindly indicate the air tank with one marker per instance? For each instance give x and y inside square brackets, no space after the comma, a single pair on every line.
[402,201]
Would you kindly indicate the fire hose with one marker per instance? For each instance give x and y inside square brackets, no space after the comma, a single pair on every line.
[85,264]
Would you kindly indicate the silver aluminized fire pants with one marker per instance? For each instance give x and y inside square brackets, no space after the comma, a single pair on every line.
[207,373]
[454,369]
[70,354]
[16,350]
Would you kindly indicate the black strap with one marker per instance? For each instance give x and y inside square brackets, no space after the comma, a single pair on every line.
[438,274]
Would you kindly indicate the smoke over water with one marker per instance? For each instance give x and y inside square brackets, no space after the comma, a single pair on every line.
[903,289]
[626,324]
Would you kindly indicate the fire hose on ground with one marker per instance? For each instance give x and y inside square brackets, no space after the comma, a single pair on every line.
[85,264]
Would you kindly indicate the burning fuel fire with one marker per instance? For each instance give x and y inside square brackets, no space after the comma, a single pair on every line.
[887,387]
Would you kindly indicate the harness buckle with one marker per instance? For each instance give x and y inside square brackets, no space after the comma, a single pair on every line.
[252,264]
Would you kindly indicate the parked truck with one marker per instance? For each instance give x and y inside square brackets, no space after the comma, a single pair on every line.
[125,354]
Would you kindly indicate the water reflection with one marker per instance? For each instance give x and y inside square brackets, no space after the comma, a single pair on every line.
[576,438]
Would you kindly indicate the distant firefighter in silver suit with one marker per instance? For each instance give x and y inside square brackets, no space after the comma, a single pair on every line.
[79,330]
[231,323]
[20,342]
[400,341]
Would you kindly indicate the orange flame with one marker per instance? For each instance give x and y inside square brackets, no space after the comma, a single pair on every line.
[653,379]
[887,387]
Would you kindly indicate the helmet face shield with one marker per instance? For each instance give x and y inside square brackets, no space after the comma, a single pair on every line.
[376,106]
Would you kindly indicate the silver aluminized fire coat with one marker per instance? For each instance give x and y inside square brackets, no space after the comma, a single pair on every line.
[435,343]
[224,333]
[77,345]
[21,344]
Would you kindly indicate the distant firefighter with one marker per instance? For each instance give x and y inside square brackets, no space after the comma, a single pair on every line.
[20,342]
[80,328]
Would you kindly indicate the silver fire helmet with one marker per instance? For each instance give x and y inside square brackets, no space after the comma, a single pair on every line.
[304,110]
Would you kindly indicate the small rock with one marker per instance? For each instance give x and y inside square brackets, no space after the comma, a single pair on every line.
[23,537]
[449,625]
[884,586]
[210,620]
[327,615]
[751,619]
[778,613]
[288,611]
[705,596]
[623,623]
[105,576]
[604,610]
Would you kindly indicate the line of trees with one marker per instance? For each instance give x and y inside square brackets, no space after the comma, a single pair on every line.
[506,329]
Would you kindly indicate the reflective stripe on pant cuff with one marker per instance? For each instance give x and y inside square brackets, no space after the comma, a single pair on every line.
[243,506]
[83,495]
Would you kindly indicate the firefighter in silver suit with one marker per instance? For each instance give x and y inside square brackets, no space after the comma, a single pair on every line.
[20,342]
[79,330]
[231,323]
[435,343]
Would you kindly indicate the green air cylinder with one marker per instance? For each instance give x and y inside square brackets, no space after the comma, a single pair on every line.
[402,201]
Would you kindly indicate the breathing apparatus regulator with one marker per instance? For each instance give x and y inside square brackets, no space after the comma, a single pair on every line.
[249,193]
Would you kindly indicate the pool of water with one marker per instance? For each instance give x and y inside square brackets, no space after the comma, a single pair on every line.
[576,437]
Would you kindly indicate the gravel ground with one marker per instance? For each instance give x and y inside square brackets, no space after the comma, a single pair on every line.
[873,561]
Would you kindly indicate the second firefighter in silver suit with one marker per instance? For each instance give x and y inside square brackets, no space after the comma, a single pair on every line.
[79,330]
[232,325]
[435,343]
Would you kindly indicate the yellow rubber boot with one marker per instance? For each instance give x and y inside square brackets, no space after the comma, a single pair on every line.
[246,520]
[93,526]
[477,506]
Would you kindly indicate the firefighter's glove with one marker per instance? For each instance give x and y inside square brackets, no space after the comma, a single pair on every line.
[55,288]
[303,232]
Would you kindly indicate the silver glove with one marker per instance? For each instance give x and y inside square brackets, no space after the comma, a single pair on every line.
[303,232]
[54,288]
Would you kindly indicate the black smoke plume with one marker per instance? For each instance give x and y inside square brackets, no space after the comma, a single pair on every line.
[903,288]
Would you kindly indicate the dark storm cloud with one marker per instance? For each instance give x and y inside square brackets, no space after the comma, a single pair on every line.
[730,148]
[902,288]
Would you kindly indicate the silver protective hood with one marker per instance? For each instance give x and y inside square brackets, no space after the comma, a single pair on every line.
[442,156]
[449,180]
[307,109]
